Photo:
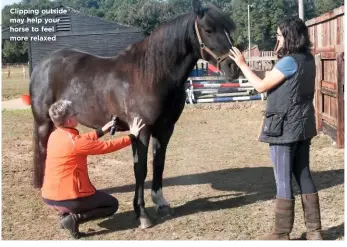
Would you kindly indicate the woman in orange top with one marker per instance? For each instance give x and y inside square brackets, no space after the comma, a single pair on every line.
[66,184]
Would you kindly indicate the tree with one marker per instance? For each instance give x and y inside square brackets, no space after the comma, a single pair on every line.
[15,52]
[324,6]
[149,14]
[264,16]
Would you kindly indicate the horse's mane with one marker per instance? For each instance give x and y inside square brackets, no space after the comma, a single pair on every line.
[157,55]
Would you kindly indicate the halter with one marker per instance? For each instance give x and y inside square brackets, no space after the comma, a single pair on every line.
[203,48]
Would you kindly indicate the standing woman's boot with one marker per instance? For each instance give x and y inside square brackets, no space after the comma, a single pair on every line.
[284,220]
[310,204]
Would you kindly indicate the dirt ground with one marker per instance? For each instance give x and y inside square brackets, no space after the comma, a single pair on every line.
[218,178]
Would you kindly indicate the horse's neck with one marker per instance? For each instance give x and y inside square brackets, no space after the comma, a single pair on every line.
[171,52]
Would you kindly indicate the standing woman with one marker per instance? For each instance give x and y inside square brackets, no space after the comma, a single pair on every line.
[289,125]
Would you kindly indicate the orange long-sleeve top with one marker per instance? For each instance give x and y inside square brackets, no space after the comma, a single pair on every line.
[66,172]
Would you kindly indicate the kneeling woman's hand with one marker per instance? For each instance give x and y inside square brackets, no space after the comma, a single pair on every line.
[136,127]
[107,126]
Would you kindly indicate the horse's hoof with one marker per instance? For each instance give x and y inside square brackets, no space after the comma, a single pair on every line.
[165,211]
[145,223]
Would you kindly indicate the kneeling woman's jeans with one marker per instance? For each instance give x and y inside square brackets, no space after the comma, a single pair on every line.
[98,205]
[288,159]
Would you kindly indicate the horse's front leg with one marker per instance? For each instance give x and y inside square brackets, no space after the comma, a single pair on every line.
[160,140]
[140,150]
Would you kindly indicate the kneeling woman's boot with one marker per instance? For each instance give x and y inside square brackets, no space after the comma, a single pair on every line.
[71,223]
[310,204]
[284,220]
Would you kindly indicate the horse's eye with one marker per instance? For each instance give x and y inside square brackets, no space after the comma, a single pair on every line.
[208,31]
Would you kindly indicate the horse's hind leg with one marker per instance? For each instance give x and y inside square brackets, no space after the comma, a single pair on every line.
[140,150]
[160,140]
[41,133]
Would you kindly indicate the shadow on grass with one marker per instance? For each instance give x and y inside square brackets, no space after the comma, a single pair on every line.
[249,185]
[332,233]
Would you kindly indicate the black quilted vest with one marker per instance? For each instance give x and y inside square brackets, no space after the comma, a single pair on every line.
[290,113]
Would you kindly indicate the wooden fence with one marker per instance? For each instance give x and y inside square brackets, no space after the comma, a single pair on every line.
[329,100]
[260,60]
[9,70]
[326,34]
[261,63]
[326,31]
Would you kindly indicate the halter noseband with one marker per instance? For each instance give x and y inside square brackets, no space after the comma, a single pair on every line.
[203,48]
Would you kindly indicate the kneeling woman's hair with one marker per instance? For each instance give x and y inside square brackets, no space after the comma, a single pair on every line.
[60,111]
[295,35]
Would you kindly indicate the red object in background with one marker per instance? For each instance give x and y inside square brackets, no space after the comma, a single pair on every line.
[213,70]
[26,99]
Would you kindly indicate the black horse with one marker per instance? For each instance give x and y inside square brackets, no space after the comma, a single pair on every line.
[146,81]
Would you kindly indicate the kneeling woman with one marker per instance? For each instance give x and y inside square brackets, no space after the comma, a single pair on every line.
[66,186]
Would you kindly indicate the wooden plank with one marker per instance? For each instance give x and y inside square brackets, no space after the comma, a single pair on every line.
[324,34]
[328,48]
[330,32]
[211,78]
[266,58]
[329,70]
[329,85]
[319,30]
[318,93]
[329,130]
[333,107]
[314,36]
[333,30]
[329,92]
[329,119]
[328,55]
[340,126]
[340,30]
[326,104]
[326,17]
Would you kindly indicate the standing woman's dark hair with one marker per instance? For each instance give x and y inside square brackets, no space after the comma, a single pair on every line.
[296,38]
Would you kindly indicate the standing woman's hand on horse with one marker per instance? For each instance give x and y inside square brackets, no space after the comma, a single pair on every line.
[272,78]
[237,56]
[136,127]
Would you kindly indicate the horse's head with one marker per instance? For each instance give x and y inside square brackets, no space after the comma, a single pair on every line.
[214,32]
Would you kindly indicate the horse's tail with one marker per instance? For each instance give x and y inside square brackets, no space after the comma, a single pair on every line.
[40,140]
[43,126]
[37,162]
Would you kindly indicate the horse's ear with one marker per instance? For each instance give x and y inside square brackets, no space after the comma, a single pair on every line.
[197,7]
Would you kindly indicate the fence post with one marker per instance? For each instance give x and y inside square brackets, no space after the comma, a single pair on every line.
[24,72]
[318,91]
[8,71]
[340,100]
